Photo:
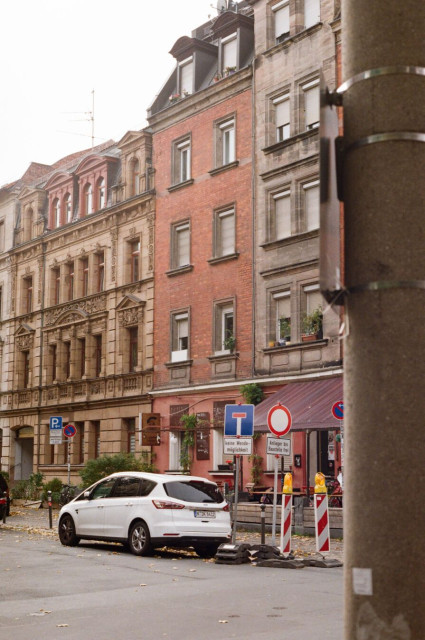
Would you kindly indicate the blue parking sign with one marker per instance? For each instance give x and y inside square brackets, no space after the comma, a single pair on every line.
[56,423]
[239,420]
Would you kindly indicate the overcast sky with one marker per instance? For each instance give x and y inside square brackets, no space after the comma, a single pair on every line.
[53,53]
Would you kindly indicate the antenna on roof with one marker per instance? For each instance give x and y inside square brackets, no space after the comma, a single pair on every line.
[221,6]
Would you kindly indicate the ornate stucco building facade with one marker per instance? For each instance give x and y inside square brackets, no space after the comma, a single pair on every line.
[79,319]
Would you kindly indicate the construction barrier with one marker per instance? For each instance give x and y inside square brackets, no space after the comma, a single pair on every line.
[321,514]
[286,516]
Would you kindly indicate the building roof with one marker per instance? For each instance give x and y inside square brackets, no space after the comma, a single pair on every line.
[310,404]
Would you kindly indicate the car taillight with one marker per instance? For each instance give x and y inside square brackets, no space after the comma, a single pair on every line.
[226,508]
[167,504]
[2,500]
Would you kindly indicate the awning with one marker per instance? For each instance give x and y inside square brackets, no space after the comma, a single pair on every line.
[310,404]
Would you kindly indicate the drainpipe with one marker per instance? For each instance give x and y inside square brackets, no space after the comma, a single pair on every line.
[253,217]
[40,371]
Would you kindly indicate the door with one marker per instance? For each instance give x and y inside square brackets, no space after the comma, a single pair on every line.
[121,506]
[90,512]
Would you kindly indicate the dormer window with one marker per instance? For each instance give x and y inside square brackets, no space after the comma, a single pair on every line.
[101,201]
[68,207]
[57,212]
[88,199]
[281,20]
[229,53]
[186,77]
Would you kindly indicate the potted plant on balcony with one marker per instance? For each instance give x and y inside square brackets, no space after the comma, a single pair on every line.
[230,342]
[229,70]
[284,331]
[312,324]
[174,98]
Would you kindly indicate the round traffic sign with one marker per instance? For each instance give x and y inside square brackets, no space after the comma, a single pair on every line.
[279,420]
[338,410]
[69,431]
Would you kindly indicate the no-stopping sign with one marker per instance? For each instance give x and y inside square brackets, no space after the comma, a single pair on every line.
[279,420]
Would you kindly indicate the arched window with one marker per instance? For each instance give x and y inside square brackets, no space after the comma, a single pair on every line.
[135,177]
[56,212]
[68,207]
[88,199]
[101,201]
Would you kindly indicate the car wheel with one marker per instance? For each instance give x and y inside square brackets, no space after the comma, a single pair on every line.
[206,551]
[67,534]
[139,540]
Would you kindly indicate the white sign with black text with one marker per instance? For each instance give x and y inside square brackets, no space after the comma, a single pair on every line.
[278,446]
[238,446]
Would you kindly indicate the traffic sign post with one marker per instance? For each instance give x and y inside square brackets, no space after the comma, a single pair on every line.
[69,432]
[279,422]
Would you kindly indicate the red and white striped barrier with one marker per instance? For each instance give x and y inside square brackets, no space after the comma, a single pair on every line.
[321,516]
[286,525]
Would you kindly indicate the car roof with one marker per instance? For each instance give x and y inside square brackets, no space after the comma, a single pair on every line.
[159,477]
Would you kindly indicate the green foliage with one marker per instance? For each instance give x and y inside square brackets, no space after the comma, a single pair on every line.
[30,489]
[312,322]
[230,342]
[99,468]
[285,328]
[55,486]
[5,475]
[189,422]
[251,393]
[257,467]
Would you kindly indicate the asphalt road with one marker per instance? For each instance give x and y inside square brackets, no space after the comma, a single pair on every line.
[95,590]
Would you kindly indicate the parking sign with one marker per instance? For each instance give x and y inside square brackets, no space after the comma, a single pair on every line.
[55,429]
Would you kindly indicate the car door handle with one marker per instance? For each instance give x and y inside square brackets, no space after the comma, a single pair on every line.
[129,504]
[100,506]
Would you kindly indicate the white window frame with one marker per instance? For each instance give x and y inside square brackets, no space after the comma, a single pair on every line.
[312,222]
[221,217]
[218,447]
[177,319]
[183,151]
[283,131]
[178,230]
[281,8]
[225,42]
[223,311]
[228,141]
[276,297]
[186,83]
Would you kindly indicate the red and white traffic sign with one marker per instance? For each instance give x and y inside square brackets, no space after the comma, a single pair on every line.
[338,410]
[279,420]
[69,431]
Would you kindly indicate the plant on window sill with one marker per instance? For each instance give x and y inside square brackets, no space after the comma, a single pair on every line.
[217,77]
[230,343]
[312,325]
[174,97]
[188,442]
[229,70]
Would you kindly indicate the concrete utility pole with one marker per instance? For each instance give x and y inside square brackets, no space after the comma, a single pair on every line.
[384,182]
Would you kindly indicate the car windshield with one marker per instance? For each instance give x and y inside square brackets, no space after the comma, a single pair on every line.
[193,491]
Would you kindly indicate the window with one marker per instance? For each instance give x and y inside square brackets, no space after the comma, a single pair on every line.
[179,336]
[229,53]
[224,337]
[101,200]
[57,212]
[134,177]
[176,436]
[56,284]
[88,199]
[1,303]
[99,265]
[133,335]
[281,20]
[130,429]
[181,161]
[311,12]
[282,117]
[311,104]
[67,359]
[28,295]
[225,142]
[85,276]
[1,235]
[224,223]
[54,361]
[281,312]
[186,77]
[94,449]
[312,205]
[26,368]
[312,301]
[134,260]
[82,355]
[218,447]
[70,280]
[281,215]
[97,355]
[68,207]
[79,441]
[180,245]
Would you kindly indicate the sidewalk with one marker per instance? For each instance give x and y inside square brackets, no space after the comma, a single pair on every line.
[36,522]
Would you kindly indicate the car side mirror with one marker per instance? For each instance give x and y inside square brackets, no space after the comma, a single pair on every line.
[87,495]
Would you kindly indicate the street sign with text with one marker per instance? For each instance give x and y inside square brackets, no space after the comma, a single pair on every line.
[278,446]
[238,446]
[55,429]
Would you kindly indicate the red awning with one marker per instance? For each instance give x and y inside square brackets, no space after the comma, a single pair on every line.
[310,404]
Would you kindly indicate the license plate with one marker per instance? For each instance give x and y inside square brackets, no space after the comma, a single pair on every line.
[204,514]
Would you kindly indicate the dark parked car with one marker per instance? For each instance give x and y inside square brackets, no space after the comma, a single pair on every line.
[4,499]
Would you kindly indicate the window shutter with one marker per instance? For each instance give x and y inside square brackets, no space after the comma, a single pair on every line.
[312,107]
[227,232]
[282,112]
[311,12]
[186,78]
[183,245]
[282,216]
[312,207]
[230,53]
[281,21]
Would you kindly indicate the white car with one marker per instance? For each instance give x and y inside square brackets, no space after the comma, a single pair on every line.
[147,510]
